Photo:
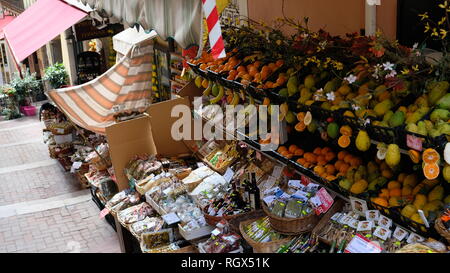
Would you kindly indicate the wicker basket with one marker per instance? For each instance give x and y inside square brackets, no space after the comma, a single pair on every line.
[102,165]
[291,226]
[213,220]
[440,228]
[252,215]
[269,247]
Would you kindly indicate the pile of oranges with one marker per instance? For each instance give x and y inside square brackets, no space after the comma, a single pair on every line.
[290,152]
[281,81]
[255,72]
[206,61]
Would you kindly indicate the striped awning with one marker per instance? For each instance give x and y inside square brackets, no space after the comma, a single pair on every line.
[124,87]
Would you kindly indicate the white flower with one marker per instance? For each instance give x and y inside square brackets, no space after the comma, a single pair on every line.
[392,74]
[367,121]
[316,97]
[415,46]
[388,66]
[331,96]
[418,54]
[351,78]
[375,75]
[355,107]
[378,68]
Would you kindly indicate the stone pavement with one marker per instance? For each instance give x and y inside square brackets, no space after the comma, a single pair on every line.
[43,208]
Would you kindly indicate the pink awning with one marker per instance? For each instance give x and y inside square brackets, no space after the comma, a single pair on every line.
[39,24]
[3,22]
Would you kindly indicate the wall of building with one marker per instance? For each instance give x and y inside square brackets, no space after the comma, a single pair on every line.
[337,17]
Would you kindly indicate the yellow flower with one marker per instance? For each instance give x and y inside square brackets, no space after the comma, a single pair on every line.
[427,28]
[405,71]
[415,67]
[435,33]
[424,16]
[443,6]
[443,33]
[442,21]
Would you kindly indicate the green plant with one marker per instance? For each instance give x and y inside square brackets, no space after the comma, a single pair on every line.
[26,86]
[12,111]
[56,75]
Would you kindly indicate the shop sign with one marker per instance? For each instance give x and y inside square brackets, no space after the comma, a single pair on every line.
[86,31]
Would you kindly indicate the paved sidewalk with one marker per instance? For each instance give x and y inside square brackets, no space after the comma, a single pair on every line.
[43,208]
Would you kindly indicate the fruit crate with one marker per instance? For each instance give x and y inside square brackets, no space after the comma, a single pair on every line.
[391,212]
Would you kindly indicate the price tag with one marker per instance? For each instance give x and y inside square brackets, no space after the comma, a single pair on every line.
[171,218]
[228,175]
[200,164]
[269,199]
[60,130]
[104,212]
[360,244]
[295,184]
[414,142]
[75,166]
[325,199]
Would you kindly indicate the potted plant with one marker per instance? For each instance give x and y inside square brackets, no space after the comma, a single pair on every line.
[26,88]
[56,75]
[11,111]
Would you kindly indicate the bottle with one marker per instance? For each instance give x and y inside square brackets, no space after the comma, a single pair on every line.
[254,193]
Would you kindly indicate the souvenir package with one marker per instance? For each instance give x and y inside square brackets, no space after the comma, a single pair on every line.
[142,166]
[123,200]
[260,231]
[151,240]
[149,224]
[220,159]
[154,180]
[135,213]
[81,153]
[209,183]
[226,203]
[102,149]
[222,240]
[167,188]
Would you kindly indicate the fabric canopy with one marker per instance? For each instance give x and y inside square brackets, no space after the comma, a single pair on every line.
[123,41]
[180,20]
[3,22]
[39,24]
[124,87]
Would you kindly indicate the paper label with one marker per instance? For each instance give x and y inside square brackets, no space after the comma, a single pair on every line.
[360,244]
[365,226]
[385,222]
[358,205]
[75,166]
[60,130]
[414,238]
[414,142]
[171,218]
[269,199]
[104,212]
[200,164]
[400,233]
[382,233]
[300,195]
[295,184]
[325,199]
[353,223]
[228,175]
[372,215]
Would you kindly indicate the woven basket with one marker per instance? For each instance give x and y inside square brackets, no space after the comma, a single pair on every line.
[291,226]
[102,165]
[440,228]
[252,215]
[213,220]
[269,247]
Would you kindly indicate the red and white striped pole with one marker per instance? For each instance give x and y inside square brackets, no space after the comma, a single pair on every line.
[215,32]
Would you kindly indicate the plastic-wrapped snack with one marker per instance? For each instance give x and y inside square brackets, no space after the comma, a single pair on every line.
[157,238]
[293,209]
[116,199]
[135,213]
[278,208]
[149,224]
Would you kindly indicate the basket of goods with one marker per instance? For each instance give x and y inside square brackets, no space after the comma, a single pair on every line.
[220,159]
[291,212]
[135,213]
[442,224]
[147,225]
[100,159]
[61,128]
[222,240]
[144,172]
[259,234]
[122,200]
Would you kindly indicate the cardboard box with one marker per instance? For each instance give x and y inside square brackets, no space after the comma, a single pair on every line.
[150,134]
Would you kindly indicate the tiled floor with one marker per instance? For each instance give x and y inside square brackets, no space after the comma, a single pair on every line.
[43,208]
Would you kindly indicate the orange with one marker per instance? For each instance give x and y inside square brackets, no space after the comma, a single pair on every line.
[430,156]
[298,152]
[301,116]
[329,156]
[431,170]
[241,69]
[292,148]
[307,165]
[301,161]
[387,173]
[338,164]
[300,127]
[330,177]
[396,192]
[344,141]
[284,153]
[279,63]
[330,169]
[281,80]
[401,177]
[317,151]
[319,170]
[326,150]
[310,157]
[406,191]
[348,158]
[414,155]
[384,193]
[394,185]
[344,168]
[342,154]
[281,149]
[289,155]
[381,201]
